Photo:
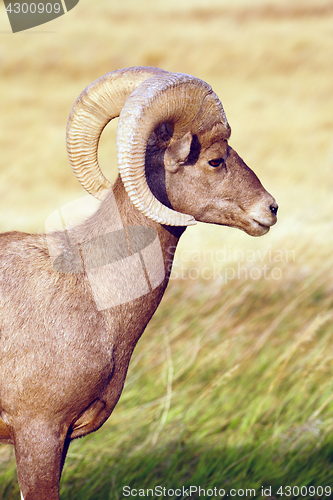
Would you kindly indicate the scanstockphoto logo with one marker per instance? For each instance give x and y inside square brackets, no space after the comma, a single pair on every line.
[122,263]
[24,15]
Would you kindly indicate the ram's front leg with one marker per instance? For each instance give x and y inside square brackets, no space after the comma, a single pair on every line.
[40,450]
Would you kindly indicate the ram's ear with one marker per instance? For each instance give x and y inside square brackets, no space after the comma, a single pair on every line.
[177,152]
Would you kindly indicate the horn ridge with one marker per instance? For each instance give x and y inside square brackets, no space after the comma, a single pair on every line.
[143,98]
[178,98]
[99,103]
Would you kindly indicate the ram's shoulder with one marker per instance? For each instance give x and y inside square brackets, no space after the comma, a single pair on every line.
[19,245]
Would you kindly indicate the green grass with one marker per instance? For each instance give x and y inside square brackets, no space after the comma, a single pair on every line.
[231,387]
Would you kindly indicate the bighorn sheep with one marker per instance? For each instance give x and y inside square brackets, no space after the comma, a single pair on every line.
[64,357]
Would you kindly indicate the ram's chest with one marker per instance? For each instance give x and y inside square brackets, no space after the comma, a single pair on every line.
[52,376]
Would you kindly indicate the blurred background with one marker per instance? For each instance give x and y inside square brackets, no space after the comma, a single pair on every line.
[270,62]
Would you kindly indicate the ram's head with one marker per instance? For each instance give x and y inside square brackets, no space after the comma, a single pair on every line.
[173,153]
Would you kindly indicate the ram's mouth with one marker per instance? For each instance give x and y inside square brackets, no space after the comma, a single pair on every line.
[262,216]
[265,227]
[258,228]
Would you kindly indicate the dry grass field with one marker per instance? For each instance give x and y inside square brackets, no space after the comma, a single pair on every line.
[252,352]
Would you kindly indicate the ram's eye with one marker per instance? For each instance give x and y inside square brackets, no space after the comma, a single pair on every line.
[216,163]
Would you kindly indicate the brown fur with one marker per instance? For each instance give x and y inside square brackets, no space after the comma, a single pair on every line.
[63,363]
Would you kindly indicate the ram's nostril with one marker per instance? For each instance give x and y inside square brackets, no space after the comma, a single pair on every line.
[274,208]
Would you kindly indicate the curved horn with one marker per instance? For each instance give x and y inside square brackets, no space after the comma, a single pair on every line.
[98,104]
[186,102]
